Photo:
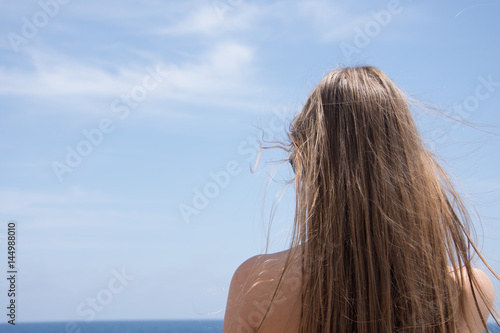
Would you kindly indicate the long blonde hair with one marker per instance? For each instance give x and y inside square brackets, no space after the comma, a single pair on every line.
[378,222]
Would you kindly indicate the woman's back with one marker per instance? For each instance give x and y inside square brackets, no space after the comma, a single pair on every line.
[256,280]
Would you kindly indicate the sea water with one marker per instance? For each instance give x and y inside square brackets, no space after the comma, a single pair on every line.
[167,326]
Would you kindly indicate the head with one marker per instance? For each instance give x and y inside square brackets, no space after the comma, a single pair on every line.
[355,120]
[377,220]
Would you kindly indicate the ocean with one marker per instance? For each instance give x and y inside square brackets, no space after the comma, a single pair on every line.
[150,326]
[160,326]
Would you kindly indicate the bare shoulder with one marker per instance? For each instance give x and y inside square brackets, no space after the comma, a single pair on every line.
[484,293]
[268,265]
[252,289]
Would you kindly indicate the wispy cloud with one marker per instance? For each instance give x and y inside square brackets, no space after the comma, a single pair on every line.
[52,73]
[222,70]
[208,20]
[331,21]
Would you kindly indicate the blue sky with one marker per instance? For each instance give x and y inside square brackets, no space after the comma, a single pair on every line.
[116,115]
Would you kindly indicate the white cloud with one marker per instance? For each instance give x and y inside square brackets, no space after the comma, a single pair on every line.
[331,21]
[211,19]
[222,70]
[55,74]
